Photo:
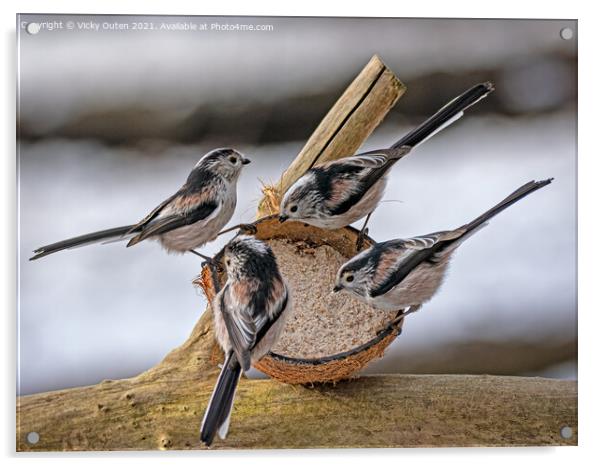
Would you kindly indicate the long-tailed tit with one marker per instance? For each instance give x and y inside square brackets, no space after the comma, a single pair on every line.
[249,314]
[338,193]
[186,220]
[405,273]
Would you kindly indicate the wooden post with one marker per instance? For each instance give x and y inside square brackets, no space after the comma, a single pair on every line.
[359,110]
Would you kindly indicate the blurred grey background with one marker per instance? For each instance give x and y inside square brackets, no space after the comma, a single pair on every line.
[111,121]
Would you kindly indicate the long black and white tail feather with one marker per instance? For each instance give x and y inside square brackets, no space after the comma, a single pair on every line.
[110,235]
[516,196]
[482,220]
[219,408]
[448,114]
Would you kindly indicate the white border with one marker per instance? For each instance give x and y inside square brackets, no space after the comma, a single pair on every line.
[589,223]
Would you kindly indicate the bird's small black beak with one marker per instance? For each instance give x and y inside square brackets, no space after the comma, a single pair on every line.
[282,218]
[337,288]
[245,161]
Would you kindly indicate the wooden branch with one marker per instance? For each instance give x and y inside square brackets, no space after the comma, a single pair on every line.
[162,408]
[359,110]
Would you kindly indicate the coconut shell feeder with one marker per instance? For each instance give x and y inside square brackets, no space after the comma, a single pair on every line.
[327,367]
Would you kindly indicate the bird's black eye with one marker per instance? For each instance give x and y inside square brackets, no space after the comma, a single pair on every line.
[233,160]
[294,209]
[349,278]
[228,262]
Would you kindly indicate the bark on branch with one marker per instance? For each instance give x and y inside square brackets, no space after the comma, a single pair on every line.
[161,409]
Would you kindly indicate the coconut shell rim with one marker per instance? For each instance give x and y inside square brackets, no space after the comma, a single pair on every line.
[339,356]
[323,359]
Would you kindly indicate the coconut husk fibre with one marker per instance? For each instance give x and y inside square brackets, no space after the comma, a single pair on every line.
[322,323]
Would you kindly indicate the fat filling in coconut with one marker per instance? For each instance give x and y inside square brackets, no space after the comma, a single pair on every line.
[322,323]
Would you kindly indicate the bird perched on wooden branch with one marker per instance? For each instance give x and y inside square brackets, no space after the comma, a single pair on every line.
[338,193]
[249,314]
[405,273]
[184,221]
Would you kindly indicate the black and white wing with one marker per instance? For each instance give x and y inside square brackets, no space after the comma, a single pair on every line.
[395,259]
[152,215]
[198,199]
[375,159]
[350,178]
[242,329]
[247,323]
[169,222]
